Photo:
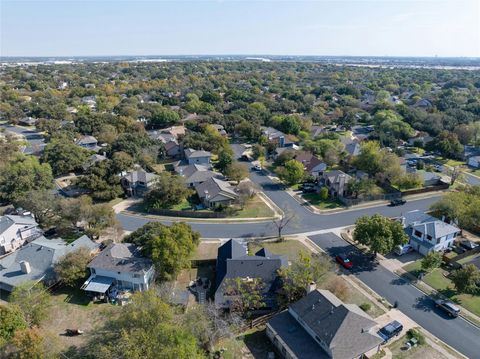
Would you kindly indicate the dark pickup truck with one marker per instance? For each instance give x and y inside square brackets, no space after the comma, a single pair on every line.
[397,202]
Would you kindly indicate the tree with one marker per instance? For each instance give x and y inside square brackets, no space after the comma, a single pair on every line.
[161,117]
[431,261]
[11,320]
[170,247]
[237,171]
[64,157]
[447,144]
[33,300]
[168,190]
[146,328]
[323,193]
[454,173]
[302,273]
[246,294]
[72,267]
[292,172]
[282,222]
[246,191]
[23,174]
[29,344]
[380,233]
[102,179]
[42,203]
[466,279]
[225,159]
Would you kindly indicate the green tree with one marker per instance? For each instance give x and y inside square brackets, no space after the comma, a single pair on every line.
[237,171]
[29,344]
[246,295]
[33,300]
[225,159]
[308,269]
[431,261]
[447,144]
[466,279]
[23,174]
[168,190]
[72,267]
[170,247]
[102,180]
[64,157]
[292,172]
[323,193]
[42,203]
[380,233]
[11,320]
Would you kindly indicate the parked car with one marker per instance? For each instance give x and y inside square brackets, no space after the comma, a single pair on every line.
[344,261]
[468,245]
[448,307]
[401,250]
[391,330]
[309,189]
[257,168]
[458,249]
[397,202]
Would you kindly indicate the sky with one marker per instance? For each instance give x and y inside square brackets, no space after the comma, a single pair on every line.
[268,27]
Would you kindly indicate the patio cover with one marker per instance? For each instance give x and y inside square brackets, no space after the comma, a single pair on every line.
[99,284]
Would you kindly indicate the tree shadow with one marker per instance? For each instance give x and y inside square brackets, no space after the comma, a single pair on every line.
[258,344]
[73,295]
[424,303]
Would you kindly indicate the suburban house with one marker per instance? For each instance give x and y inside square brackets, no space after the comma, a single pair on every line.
[28,121]
[15,230]
[352,147]
[321,326]
[432,178]
[90,161]
[175,131]
[220,129]
[90,101]
[136,183]
[312,164]
[214,192]
[199,157]
[470,151]
[421,138]
[35,261]
[173,149]
[277,137]
[336,181]
[427,233]
[197,174]
[474,161]
[122,266]
[88,142]
[233,261]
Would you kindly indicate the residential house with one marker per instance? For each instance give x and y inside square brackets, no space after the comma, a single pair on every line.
[120,266]
[312,164]
[336,181]
[175,131]
[423,103]
[233,261]
[88,142]
[136,183]
[427,233]
[16,230]
[90,101]
[35,261]
[474,161]
[277,137]
[352,147]
[214,193]
[321,326]
[220,129]
[93,159]
[421,138]
[173,149]
[470,151]
[197,174]
[199,157]
[432,178]
[28,121]
[316,131]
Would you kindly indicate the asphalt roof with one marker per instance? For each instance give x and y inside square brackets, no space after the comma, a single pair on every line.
[121,257]
[428,225]
[191,153]
[9,220]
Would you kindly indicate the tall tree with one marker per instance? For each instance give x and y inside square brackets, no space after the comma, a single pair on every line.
[466,279]
[11,320]
[167,191]
[33,300]
[72,267]
[292,172]
[64,156]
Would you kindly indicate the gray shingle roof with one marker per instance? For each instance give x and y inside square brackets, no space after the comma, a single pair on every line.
[214,186]
[191,153]
[428,225]
[140,176]
[121,257]
[9,220]
[345,329]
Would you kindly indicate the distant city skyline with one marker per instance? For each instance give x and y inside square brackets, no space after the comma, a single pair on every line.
[445,28]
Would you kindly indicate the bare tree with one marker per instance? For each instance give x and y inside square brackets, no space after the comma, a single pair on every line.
[280,223]
[455,173]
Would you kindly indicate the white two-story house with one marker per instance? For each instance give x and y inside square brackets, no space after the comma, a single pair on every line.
[427,233]
[122,266]
[16,230]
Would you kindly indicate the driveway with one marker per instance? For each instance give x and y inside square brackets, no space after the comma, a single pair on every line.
[458,333]
[36,141]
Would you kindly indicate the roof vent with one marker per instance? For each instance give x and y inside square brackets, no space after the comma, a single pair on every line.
[25,267]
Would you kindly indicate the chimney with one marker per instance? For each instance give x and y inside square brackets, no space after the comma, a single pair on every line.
[311,287]
[25,267]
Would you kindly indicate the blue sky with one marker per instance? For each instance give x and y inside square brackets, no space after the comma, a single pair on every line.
[155,27]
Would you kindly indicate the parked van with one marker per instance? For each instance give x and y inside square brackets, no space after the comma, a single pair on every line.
[401,250]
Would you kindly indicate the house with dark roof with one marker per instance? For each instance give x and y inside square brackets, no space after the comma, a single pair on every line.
[277,137]
[199,157]
[215,192]
[336,181]
[428,234]
[88,142]
[321,326]
[136,183]
[16,230]
[233,261]
[352,147]
[173,149]
[35,261]
[120,265]
[474,161]
[196,174]
[90,161]
[312,164]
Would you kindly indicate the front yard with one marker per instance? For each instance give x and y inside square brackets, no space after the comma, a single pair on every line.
[254,208]
[319,203]
[437,280]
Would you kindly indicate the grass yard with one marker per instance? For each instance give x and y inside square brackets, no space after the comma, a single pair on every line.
[475,172]
[253,343]
[315,200]
[185,205]
[438,281]
[424,351]
[450,162]
[291,248]
[254,208]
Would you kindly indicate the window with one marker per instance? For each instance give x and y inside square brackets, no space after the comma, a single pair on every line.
[429,237]
[418,233]
[136,276]
[93,270]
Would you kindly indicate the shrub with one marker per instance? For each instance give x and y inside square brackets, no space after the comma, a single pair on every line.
[365,307]
[417,334]
[323,193]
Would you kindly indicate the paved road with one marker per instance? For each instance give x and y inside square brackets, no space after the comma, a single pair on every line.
[304,221]
[470,179]
[458,333]
[36,141]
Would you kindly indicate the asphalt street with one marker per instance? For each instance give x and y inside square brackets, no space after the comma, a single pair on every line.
[35,140]
[457,332]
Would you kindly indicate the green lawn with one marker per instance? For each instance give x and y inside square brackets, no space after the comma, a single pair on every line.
[254,208]
[450,162]
[290,248]
[438,281]
[475,172]
[185,205]
[315,200]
